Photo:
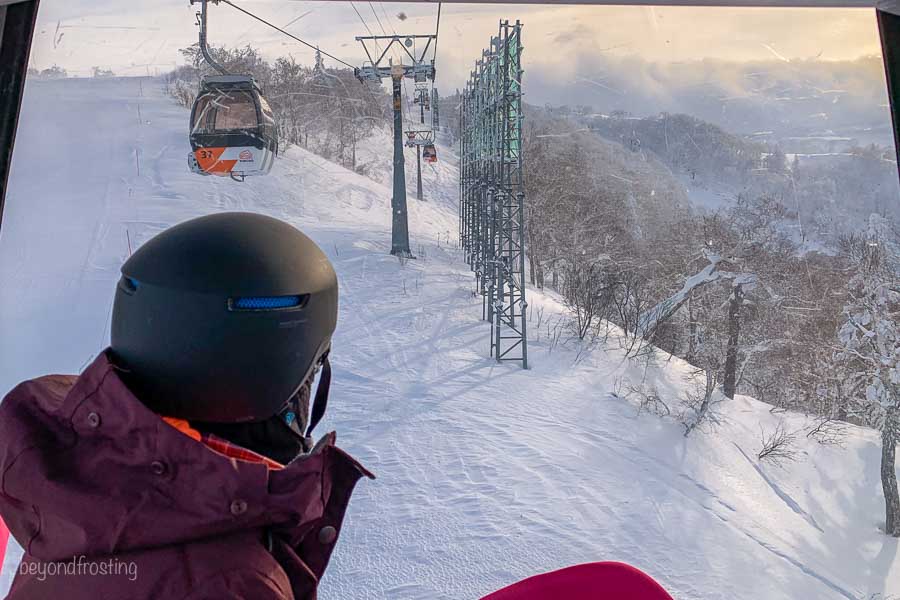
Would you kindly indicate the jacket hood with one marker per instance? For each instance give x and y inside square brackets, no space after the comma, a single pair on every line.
[87,469]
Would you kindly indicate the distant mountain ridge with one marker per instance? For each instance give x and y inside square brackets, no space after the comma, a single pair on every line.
[776,100]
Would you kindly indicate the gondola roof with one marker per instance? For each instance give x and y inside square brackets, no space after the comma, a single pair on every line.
[230,82]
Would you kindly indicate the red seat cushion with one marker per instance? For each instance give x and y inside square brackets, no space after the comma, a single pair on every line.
[4,541]
[592,581]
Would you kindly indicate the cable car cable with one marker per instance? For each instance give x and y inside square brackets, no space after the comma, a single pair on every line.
[366,25]
[290,35]
[437,30]
[386,18]
[377,19]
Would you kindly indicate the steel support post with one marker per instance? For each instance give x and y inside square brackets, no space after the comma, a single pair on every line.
[399,223]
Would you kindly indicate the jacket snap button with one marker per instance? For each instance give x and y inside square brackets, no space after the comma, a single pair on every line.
[238,507]
[93,419]
[327,535]
[158,468]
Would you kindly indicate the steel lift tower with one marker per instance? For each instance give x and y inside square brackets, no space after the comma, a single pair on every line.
[420,70]
[435,110]
[419,138]
[492,196]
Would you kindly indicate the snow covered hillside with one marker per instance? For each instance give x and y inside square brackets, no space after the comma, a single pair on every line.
[440,179]
[486,473]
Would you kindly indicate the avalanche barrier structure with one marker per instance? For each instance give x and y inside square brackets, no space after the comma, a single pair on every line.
[492,195]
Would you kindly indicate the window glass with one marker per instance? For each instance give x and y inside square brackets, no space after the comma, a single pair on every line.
[235,111]
[201,115]
[708,242]
[266,109]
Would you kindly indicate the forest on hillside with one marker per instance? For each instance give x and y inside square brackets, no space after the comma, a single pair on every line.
[829,194]
[755,307]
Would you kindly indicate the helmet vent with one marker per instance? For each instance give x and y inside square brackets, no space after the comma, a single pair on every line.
[256,303]
[128,285]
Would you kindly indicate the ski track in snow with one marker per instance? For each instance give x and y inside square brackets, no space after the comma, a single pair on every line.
[486,473]
[784,496]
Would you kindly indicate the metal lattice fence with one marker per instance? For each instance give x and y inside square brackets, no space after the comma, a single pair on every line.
[492,195]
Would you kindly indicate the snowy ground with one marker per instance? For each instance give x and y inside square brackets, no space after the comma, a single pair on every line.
[486,473]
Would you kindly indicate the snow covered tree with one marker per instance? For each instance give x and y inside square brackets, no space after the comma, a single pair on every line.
[776,161]
[702,394]
[870,340]
[600,219]
[588,289]
[739,287]
[54,72]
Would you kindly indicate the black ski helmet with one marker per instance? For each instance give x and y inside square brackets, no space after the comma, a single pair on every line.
[222,318]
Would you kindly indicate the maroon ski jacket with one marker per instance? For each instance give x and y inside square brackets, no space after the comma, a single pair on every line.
[110,502]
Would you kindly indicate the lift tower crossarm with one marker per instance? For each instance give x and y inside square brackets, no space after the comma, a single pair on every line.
[421,69]
[419,137]
[397,38]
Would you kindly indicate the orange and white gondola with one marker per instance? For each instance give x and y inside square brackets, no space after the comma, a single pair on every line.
[233,130]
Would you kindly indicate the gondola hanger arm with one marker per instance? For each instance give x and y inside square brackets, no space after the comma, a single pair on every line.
[204,48]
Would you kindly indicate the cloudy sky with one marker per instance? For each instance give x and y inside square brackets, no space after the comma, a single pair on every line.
[143,36]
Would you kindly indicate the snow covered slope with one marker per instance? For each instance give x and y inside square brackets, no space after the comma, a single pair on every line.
[486,473]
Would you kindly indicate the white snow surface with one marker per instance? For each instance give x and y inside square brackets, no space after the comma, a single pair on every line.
[486,473]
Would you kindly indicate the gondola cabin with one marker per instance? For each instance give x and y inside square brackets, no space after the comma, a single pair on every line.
[233,131]
[429,153]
